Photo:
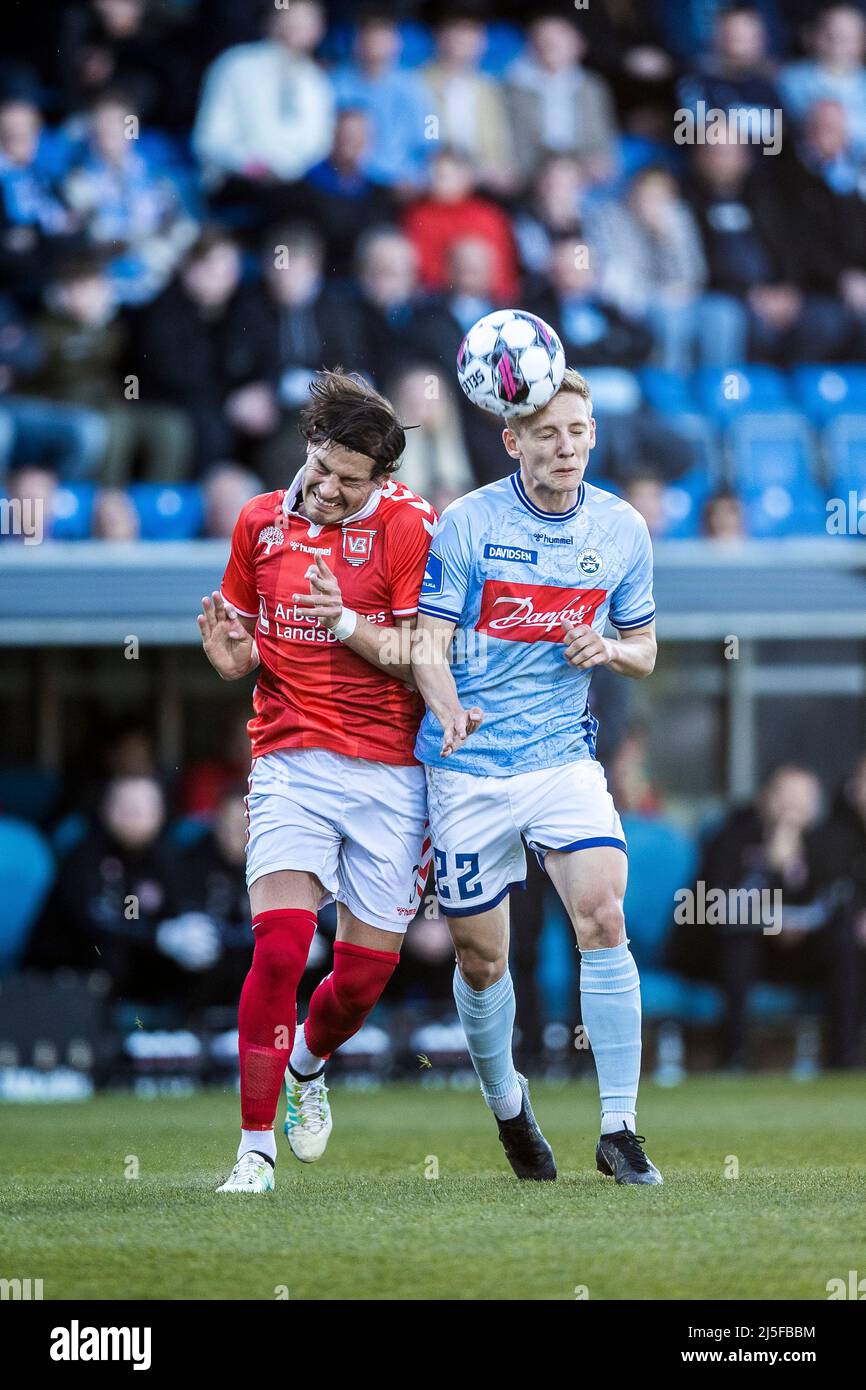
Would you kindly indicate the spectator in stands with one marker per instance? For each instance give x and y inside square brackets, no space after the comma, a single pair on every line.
[452,209]
[653,269]
[631,783]
[755,246]
[125,205]
[131,44]
[738,71]
[646,493]
[398,326]
[267,109]
[33,217]
[828,181]
[469,104]
[396,99]
[557,105]
[723,518]
[593,330]
[227,488]
[339,198]
[284,331]
[837,856]
[115,517]
[553,207]
[113,893]
[83,345]
[834,71]
[687,27]
[766,847]
[33,489]
[184,341]
[71,438]
[435,462]
[472,290]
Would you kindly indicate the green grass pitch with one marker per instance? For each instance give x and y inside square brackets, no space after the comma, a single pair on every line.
[366,1223]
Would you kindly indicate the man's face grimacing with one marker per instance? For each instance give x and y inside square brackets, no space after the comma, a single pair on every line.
[336,483]
[553,446]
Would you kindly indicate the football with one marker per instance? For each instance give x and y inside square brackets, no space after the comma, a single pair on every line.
[510,363]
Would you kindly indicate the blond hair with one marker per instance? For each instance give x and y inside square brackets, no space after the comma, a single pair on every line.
[573,382]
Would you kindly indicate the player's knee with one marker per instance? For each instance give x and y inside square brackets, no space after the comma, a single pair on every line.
[601,922]
[278,961]
[478,972]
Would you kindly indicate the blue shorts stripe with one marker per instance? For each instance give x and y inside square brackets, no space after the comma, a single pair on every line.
[581,844]
[482,907]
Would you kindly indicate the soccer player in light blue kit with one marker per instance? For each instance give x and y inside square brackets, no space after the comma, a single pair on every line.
[521,579]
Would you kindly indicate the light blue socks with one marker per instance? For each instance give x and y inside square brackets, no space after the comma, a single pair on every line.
[610,1004]
[487,1016]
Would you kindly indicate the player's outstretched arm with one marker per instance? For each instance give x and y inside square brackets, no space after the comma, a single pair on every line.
[634,654]
[430,646]
[228,645]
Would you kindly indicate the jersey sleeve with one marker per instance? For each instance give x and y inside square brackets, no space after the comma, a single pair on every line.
[408,544]
[632,603]
[446,578]
[239,581]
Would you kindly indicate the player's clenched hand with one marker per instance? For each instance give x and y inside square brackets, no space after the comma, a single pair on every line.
[457,727]
[584,647]
[324,601]
[227,644]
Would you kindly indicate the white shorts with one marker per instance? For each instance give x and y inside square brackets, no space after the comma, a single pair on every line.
[478,826]
[359,826]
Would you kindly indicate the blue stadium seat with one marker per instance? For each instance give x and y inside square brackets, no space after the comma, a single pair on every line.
[667,392]
[661,858]
[683,503]
[844,440]
[773,465]
[26,875]
[703,433]
[826,391]
[725,393]
[168,512]
[72,512]
[505,42]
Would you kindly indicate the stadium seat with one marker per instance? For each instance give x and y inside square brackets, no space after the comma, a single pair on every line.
[844,443]
[683,503]
[168,513]
[505,42]
[667,392]
[725,393]
[773,467]
[26,874]
[72,512]
[662,858]
[703,434]
[826,391]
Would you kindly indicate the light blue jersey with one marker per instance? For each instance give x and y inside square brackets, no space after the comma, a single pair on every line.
[509,574]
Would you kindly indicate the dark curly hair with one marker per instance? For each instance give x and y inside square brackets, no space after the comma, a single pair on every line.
[344,409]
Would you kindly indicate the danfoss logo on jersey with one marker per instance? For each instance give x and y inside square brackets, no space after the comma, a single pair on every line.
[534,612]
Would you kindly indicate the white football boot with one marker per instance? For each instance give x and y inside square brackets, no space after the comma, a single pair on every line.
[251,1173]
[308,1117]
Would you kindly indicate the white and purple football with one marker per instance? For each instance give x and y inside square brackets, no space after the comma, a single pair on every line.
[510,363]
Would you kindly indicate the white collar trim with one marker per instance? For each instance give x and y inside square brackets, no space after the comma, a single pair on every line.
[292,495]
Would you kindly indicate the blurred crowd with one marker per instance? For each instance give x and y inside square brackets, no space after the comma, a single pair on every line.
[203,204]
[146,885]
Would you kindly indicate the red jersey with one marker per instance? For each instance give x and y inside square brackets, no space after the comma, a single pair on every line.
[312,690]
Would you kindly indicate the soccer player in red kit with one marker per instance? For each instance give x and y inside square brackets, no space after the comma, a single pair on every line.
[321,587]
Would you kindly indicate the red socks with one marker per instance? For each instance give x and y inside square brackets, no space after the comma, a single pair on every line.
[266,1017]
[345,997]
